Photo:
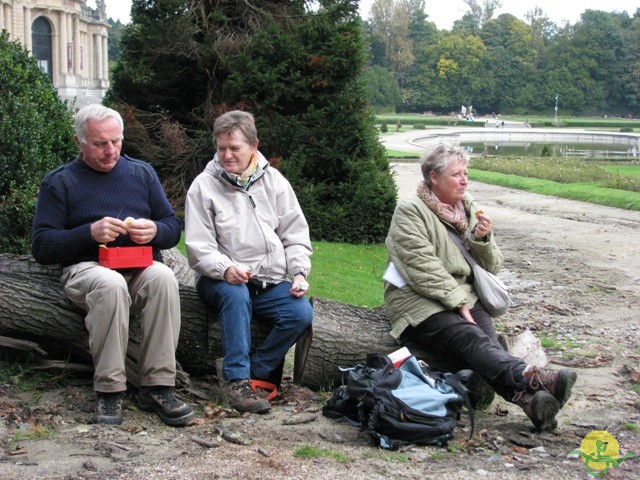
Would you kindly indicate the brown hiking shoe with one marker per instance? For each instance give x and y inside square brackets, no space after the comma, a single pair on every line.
[242,397]
[541,408]
[557,383]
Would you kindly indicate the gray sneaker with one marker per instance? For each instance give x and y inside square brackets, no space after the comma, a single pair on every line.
[242,397]
[173,411]
[108,410]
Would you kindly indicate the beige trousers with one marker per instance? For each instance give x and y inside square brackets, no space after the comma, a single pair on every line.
[109,298]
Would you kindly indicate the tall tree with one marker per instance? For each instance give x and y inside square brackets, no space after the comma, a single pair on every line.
[35,136]
[298,70]
[514,62]
[478,14]
[453,71]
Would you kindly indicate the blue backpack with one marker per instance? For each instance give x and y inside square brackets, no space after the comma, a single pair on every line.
[401,406]
[415,406]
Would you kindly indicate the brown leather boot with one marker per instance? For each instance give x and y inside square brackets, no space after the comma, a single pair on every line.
[241,396]
[541,408]
[557,383]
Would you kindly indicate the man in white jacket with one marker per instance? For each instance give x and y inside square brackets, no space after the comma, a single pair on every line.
[248,239]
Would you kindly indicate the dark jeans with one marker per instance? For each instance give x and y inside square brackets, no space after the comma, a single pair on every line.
[448,342]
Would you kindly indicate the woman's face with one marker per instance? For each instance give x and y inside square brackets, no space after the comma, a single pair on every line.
[234,152]
[452,184]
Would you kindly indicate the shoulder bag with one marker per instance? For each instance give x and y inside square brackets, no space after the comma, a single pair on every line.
[493,294]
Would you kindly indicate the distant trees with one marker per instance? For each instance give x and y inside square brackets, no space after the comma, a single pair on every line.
[504,64]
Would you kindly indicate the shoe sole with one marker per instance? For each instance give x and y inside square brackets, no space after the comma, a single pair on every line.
[564,383]
[257,409]
[544,408]
[107,420]
[171,421]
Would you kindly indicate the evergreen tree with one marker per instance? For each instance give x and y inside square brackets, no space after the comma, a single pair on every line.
[297,70]
[35,136]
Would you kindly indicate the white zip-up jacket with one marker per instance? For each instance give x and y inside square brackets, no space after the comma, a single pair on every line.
[262,229]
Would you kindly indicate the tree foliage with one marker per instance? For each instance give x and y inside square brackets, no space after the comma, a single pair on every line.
[296,69]
[518,67]
[36,135]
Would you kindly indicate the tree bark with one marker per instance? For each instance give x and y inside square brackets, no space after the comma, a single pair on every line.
[35,308]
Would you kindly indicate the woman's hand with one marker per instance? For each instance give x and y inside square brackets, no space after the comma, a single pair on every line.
[235,276]
[465,313]
[483,227]
[299,286]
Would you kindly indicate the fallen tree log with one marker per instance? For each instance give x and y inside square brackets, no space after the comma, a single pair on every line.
[34,308]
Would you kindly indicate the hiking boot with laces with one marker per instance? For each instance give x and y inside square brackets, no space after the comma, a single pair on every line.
[108,410]
[541,408]
[242,397]
[173,411]
[557,383]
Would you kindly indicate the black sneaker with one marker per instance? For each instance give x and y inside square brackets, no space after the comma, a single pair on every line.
[108,409]
[173,411]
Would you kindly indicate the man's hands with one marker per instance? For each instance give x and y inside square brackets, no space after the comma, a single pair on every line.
[107,229]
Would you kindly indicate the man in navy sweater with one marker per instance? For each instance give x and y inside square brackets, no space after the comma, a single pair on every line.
[83,206]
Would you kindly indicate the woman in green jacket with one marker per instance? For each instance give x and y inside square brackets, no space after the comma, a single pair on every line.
[431,303]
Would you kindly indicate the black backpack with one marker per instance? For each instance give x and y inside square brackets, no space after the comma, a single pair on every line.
[354,400]
[401,406]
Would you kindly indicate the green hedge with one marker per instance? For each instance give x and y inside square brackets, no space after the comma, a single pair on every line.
[36,135]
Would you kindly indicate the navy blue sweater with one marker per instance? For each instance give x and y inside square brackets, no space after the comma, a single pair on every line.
[74,196]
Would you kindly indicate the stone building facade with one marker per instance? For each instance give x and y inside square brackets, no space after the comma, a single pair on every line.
[69,40]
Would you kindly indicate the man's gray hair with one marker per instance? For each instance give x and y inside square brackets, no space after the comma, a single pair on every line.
[96,112]
[439,158]
[236,120]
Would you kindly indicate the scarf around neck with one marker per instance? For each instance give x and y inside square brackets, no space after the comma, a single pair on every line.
[245,179]
[452,214]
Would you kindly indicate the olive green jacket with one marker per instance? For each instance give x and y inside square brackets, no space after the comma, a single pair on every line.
[435,271]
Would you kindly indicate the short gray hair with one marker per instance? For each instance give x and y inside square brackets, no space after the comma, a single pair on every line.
[438,159]
[236,120]
[93,111]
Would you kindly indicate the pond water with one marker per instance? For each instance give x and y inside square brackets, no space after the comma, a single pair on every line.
[531,142]
[534,149]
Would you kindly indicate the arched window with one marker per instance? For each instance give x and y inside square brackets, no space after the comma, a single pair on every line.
[41,40]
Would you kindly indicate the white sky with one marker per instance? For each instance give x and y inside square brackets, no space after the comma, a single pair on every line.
[444,13]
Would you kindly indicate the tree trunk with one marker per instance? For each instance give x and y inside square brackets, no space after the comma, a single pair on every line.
[35,308]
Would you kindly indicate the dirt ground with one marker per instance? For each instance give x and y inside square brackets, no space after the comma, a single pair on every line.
[575,273]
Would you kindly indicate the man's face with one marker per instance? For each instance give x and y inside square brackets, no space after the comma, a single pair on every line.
[234,151]
[103,142]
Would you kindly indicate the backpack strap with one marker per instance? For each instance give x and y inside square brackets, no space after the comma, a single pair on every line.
[457,381]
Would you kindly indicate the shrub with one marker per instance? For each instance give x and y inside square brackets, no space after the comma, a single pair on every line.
[36,135]
[384,128]
[419,126]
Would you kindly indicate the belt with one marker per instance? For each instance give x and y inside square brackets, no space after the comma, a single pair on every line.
[261,284]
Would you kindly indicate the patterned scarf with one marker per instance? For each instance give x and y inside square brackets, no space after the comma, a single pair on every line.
[245,178]
[454,215]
